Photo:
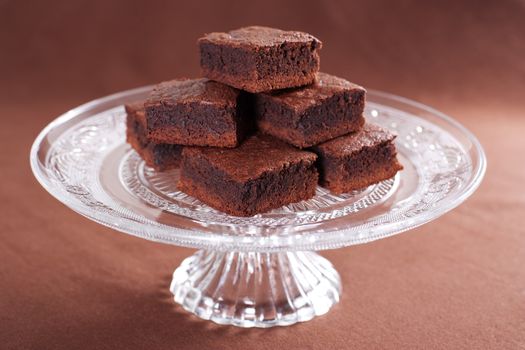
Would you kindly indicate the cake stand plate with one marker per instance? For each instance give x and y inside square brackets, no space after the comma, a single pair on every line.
[260,271]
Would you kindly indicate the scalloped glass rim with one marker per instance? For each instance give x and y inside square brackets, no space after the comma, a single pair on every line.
[268,243]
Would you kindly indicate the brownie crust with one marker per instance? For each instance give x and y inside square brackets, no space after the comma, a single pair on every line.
[156,155]
[261,174]
[197,112]
[257,59]
[304,117]
[357,160]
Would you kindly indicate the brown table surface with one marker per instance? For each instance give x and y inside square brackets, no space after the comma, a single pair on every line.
[458,282]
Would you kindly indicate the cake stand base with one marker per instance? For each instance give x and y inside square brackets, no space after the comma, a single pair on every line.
[256,289]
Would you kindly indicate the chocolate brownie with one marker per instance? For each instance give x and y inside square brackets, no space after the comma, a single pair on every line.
[357,160]
[259,59]
[197,112]
[263,173]
[156,155]
[313,114]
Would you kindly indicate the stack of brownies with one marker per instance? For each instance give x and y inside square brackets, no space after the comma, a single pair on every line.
[263,128]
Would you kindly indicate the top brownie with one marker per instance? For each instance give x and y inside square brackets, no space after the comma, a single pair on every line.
[197,112]
[259,59]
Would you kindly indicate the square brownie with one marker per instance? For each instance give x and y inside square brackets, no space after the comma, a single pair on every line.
[259,59]
[197,112]
[263,173]
[304,117]
[357,160]
[156,155]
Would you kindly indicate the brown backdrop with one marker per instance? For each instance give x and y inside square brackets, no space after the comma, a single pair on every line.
[458,282]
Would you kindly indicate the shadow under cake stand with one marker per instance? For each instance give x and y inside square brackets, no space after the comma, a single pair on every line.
[260,271]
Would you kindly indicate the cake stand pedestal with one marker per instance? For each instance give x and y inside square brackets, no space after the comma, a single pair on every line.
[256,289]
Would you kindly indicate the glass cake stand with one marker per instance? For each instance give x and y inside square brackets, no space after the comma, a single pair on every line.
[260,271]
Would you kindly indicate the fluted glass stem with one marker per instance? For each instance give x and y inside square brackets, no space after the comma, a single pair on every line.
[256,289]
